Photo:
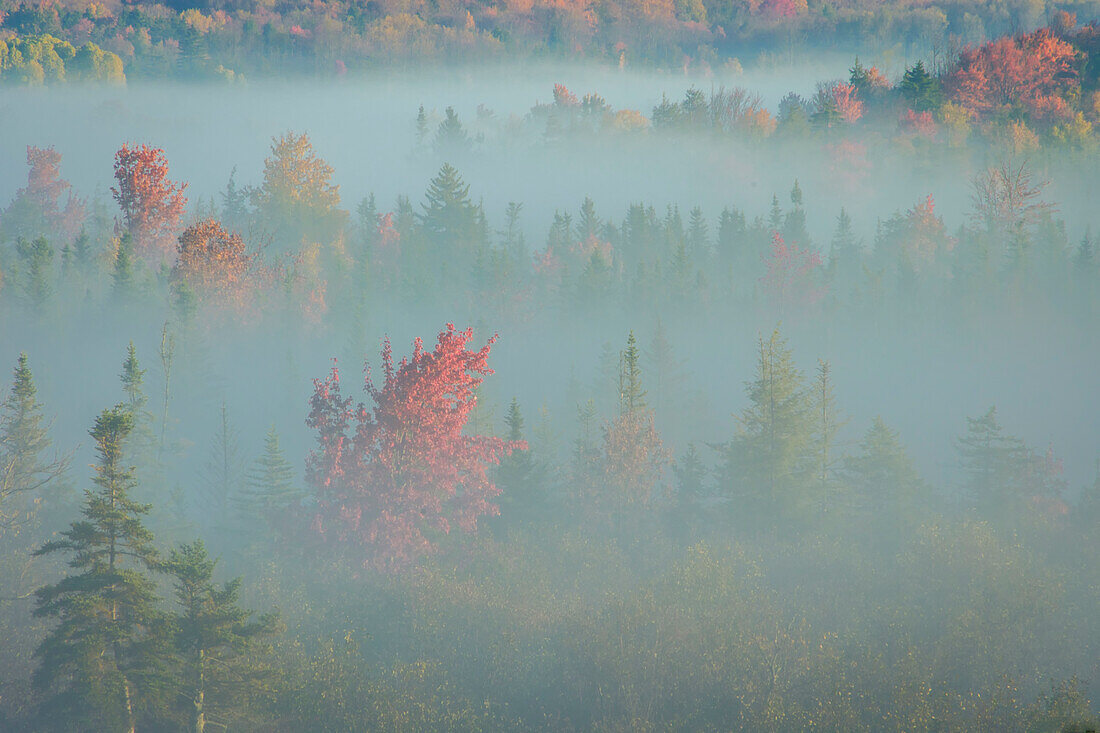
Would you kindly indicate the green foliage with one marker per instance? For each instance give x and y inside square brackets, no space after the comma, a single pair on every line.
[102,664]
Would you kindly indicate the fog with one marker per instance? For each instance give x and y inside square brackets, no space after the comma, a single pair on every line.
[923,348]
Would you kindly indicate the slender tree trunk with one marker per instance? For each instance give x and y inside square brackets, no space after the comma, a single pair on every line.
[198,719]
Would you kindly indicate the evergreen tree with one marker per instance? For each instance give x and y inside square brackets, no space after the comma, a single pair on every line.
[451,136]
[24,438]
[101,664]
[214,639]
[698,237]
[588,224]
[516,476]
[449,217]
[766,462]
[123,281]
[883,481]
[631,394]
[270,485]
[993,464]
[827,423]
[690,476]
[36,261]
[421,126]
[224,468]
[922,90]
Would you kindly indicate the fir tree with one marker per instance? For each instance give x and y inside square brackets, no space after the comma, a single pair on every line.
[827,423]
[520,489]
[421,126]
[451,136]
[36,261]
[449,217]
[101,663]
[883,481]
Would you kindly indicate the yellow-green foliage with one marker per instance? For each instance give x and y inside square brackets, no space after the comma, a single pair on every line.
[43,59]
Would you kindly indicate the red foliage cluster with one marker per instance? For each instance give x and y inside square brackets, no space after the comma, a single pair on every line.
[1030,70]
[152,205]
[848,106]
[919,124]
[790,276]
[390,477]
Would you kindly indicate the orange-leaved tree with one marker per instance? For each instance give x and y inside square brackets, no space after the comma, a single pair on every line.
[214,264]
[152,205]
[392,478]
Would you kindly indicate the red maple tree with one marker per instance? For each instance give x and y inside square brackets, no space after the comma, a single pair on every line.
[392,478]
[152,205]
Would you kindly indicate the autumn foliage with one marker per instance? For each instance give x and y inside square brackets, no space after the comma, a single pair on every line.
[214,263]
[152,205]
[392,478]
[790,277]
[1029,70]
[47,204]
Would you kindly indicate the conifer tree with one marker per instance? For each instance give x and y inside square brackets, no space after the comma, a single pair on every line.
[631,394]
[449,217]
[223,473]
[421,126]
[36,261]
[766,462]
[123,281]
[520,489]
[214,638]
[24,438]
[883,481]
[827,423]
[270,485]
[993,464]
[101,663]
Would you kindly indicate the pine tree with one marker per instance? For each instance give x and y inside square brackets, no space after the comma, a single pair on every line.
[214,638]
[24,438]
[270,485]
[102,660]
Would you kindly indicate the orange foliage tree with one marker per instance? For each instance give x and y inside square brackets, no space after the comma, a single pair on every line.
[1029,70]
[214,264]
[37,209]
[393,478]
[152,205]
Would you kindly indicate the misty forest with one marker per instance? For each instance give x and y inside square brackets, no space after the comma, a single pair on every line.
[550,365]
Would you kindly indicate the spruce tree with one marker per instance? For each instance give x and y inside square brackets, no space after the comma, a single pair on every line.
[36,261]
[449,217]
[123,284]
[270,485]
[520,489]
[214,638]
[631,394]
[24,439]
[102,662]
